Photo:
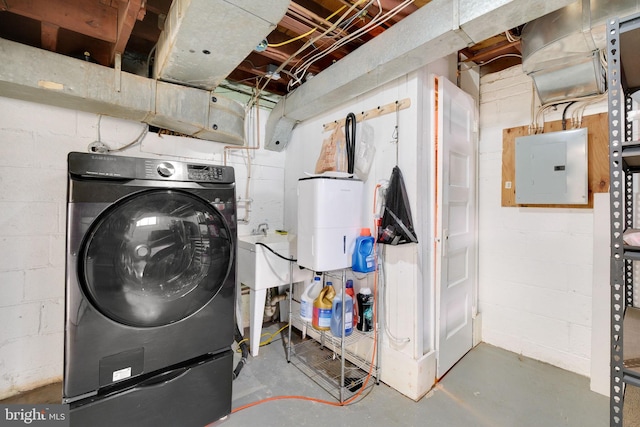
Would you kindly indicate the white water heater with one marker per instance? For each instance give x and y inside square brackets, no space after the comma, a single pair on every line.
[329,221]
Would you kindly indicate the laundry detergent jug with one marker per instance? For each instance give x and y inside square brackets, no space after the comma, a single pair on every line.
[310,293]
[363,258]
[336,315]
[322,309]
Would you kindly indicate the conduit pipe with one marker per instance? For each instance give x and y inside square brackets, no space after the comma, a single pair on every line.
[247,200]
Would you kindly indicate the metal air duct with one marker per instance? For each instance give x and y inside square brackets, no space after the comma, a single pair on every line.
[205,40]
[41,76]
[561,50]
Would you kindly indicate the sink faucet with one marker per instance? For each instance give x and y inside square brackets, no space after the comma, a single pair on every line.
[261,229]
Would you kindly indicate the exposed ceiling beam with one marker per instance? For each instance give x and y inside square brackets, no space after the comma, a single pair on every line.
[49,36]
[492,52]
[158,7]
[149,28]
[128,13]
[84,17]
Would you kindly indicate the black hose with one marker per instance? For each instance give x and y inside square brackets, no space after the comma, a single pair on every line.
[245,352]
[350,140]
[276,253]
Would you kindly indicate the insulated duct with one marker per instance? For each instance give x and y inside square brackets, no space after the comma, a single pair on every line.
[204,40]
[437,29]
[561,50]
[41,76]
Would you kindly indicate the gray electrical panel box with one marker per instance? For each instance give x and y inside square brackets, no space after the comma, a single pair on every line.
[551,168]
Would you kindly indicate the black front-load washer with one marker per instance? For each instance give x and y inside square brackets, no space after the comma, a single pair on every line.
[150,291]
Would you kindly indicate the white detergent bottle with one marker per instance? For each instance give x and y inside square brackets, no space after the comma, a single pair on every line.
[310,293]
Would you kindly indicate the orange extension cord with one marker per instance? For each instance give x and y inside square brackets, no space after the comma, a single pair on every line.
[375,342]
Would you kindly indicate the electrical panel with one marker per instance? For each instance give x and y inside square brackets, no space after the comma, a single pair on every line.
[552,168]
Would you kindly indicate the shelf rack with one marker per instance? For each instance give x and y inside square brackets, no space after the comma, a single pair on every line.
[623,78]
[334,363]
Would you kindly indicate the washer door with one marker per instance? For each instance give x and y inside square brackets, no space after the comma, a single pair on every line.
[155,257]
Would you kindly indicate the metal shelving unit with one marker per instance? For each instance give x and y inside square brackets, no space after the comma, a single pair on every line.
[335,363]
[623,57]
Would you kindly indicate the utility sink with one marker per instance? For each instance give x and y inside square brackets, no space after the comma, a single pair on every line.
[260,269]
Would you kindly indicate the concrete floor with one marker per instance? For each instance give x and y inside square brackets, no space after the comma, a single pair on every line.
[489,387]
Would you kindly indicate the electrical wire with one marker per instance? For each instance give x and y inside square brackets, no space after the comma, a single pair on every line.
[303,48]
[584,101]
[506,55]
[577,113]
[299,74]
[308,33]
[266,342]
[138,140]
[510,37]
[301,70]
[380,266]
[353,399]
[358,396]
[384,293]
[564,115]
[98,128]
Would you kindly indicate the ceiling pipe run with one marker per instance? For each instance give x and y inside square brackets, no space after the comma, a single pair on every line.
[438,29]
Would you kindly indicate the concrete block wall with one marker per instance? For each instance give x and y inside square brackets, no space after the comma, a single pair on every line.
[536,264]
[34,142]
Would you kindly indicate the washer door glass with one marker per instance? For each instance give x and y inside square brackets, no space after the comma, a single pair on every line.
[155,257]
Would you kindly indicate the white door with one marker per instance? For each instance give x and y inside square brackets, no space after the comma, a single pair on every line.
[455,230]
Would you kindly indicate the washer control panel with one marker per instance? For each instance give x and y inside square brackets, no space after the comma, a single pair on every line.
[179,171]
[204,173]
[166,169]
[122,168]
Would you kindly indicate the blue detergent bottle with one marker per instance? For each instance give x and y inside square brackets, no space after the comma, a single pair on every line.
[336,315]
[363,259]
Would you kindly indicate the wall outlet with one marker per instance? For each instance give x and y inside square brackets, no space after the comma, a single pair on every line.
[98,147]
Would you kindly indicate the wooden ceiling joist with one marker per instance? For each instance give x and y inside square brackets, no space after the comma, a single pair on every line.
[492,52]
[49,36]
[84,17]
[128,13]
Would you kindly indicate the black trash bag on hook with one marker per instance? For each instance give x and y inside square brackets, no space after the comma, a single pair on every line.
[396,227]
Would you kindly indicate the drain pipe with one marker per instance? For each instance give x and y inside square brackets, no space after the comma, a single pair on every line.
[271,304]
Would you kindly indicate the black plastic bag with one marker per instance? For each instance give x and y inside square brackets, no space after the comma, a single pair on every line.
[397,226]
